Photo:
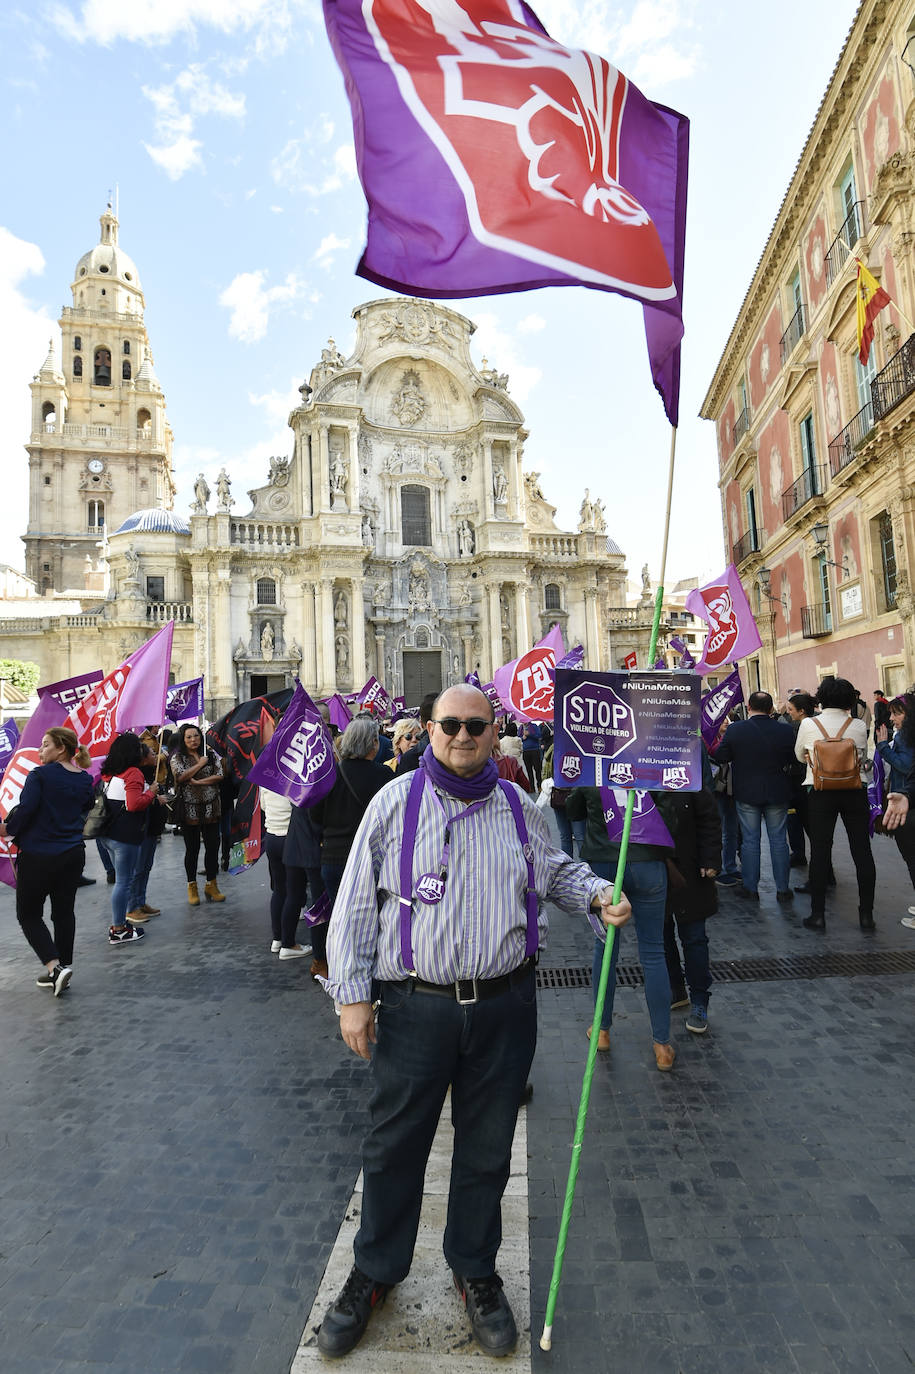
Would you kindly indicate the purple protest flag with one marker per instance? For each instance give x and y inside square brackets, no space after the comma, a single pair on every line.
[659,664]
[493,159]
[71,690]
[319,912]
[715,705]
[129,698]
[732,632]
[9,738]
[574,658]
[298,760]
[338,711]
[686,659]
[876,793]
[647,825]
[473,678]
[374,698]
[492,692]
[526,685]
[184,701]
[48,713]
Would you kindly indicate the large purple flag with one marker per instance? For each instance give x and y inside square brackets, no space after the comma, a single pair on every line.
[715,705]
[494,159]
[876,793]
[129,698]
[71,690]
[647,825]
[9,738]
[732,632]
[298,761]
[184,701]
[48,713]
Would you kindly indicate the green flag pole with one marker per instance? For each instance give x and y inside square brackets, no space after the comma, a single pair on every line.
[546,1339]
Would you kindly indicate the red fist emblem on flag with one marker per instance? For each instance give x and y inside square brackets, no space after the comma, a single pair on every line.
[723,627]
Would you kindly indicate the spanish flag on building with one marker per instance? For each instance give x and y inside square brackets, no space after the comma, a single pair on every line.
[871,300]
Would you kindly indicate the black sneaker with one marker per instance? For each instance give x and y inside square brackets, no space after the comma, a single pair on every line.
[697,1021]
[347,1317]
[490,1315]
[45,981]
[110,878]
[127,935]
[61,977]
[785,896]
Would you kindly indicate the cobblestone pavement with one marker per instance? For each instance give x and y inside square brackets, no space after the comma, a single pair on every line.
[180,1132]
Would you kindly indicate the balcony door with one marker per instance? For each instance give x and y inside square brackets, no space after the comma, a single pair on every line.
[825,599]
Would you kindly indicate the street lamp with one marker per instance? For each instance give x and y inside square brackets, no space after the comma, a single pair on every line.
[820,532]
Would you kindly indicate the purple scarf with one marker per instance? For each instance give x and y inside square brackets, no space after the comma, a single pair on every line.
[466,789]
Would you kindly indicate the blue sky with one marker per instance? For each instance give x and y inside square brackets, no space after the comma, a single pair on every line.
[226,130]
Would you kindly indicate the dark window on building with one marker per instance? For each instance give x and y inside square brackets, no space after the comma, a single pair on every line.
[127,348]
[125,371]
[47,481]
[415,517]
[77,367]
[77,343]
[102,376]
[887,559]
[551,598]
[266,591]
[155,589]
[95,520]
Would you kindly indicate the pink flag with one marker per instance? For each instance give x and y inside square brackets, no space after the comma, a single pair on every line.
[526,684]
[129,698]
[732,630]
[48,714]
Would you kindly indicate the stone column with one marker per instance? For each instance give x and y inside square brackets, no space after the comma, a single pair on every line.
[327,668]
[357,640]
[489,504]
[323,472]
[494,612]
[523,637]
[379,658]
[223,668]
[592,626]
[309,667]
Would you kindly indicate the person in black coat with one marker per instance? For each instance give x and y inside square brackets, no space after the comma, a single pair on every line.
[695,828]
[761,753]
[410,759]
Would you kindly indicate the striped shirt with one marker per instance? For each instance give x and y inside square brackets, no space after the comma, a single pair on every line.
[479,928]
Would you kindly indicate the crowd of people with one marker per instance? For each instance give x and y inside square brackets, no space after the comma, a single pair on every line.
[423,873]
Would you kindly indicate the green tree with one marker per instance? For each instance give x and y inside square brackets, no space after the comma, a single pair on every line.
[20,674]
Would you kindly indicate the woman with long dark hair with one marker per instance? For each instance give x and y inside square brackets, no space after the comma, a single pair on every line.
[47,825]
[899,753]
[198,773]
[129,798]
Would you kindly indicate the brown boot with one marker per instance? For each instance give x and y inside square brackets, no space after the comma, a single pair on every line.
[664,1056]
[212,892]
[137,917]
[318,968]
[193,895]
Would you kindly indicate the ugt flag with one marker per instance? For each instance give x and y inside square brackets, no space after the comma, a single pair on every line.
[48,714]
[732,632]
[495,159]
[129,698]
[184,701]
[298,760]
[715,705]
[374,698]
[71,690]
[9,738]
[526,684]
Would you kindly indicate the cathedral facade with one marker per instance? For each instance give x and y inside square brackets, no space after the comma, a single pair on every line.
[400,536]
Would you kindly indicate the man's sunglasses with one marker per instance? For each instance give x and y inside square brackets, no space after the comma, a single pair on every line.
[452,726]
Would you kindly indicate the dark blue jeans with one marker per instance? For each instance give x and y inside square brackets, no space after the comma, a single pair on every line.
[727,810]
[425,1043]
[645,884]
[569,831]
[694,973]
[146,854]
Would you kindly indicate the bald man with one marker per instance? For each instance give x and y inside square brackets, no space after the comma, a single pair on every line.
[437,923]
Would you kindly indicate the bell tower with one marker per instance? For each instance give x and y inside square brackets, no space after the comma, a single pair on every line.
[100,447]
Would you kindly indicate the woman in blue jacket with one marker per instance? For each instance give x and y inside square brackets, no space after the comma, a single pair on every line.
[47,826]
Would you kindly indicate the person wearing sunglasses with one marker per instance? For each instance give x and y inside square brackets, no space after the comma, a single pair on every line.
[438,919]
[406,735]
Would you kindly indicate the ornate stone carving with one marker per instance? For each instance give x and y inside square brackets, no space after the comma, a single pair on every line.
[499,484]
[267,642]
[493,378]
[416,324]
[279,472]
[339,473]
[224,500]
[409,404]
[466,539]
[419,588]
[463,460]
[341,612]
[893,182]
[365,451]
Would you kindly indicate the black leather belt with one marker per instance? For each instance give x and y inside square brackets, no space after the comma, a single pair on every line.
[466,991]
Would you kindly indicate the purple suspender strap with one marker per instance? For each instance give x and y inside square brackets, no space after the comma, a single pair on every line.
[408,844]
[533,905]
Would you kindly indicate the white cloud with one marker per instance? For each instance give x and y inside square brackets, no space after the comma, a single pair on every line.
[178,105]
[493,342]
[251,300]
[23,348]
[303,164]
[276,405]
[665,64]
[157,21]
[531,324]
[652,41]
[328,248]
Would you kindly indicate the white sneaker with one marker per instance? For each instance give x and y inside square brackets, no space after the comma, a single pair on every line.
[295,952]
[912,910]
[275,947]
[906,921]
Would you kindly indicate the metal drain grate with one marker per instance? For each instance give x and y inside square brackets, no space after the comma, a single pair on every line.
[836,964]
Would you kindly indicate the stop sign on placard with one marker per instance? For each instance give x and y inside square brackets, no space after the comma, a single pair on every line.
[598,720]
[532,690]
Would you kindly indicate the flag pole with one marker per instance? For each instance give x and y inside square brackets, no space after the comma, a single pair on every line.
[546,1339]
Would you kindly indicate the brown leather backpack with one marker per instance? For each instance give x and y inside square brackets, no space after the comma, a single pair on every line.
[834,761]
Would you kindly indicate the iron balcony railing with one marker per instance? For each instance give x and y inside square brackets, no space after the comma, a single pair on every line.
[792,336]
[751,542]
[816,621]
[844,241]
[845,445]
[811,483]
[741,425]
[895,381]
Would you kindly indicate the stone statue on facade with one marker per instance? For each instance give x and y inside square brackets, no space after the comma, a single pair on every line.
[368,532]
[132,559]
[466,543]
[342,654]
[338,476]
[201,495]
[331,357]
[646,582]
[409,404]
[341,617]
[224,500]
[597,517]
[279,472]
[267,642]
[419,588]
[586,514]
[499,485]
